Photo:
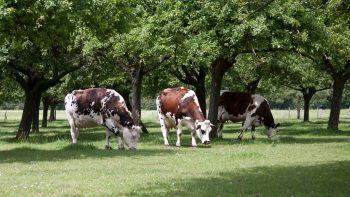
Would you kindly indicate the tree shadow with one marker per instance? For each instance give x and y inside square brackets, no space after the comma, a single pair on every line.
[73,151]
[327,179]
[281,140]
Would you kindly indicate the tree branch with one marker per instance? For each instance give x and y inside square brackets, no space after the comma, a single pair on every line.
[114,62]
[298,89]
[165,58]
[179,76]
[325,88]
[19,79]
[328,65]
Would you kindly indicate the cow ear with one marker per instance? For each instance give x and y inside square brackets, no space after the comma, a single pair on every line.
[198,126]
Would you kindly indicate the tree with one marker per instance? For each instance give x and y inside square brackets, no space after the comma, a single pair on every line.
[136,52]
[40,45]
[324,37]
[224,27]
[299,73]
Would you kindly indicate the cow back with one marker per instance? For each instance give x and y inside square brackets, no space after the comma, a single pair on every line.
[89,99]
[180,102]
[235,103]
[170,99]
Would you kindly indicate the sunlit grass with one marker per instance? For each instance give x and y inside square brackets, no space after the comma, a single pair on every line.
[304,159]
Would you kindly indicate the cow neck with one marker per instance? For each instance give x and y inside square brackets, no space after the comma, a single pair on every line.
[125,118]
[265,111]
[192,109]
[196,114]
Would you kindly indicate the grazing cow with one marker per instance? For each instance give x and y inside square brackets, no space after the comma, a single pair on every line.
[177,106]
[254,110]
[100,106]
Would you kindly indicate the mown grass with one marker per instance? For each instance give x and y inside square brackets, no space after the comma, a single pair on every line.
[304,159]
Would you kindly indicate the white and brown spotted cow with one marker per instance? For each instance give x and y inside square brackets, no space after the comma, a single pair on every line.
[100,106]
[254,110]
[178,106]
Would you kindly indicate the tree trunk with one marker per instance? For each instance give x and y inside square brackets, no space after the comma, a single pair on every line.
[338,87]
[201,94]
[298,107]
[308,93]
[52,111]
[35,125]
[29,110]
[218,70]
[136,81]
[46,105]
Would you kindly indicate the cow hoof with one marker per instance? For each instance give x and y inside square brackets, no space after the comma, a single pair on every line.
[194,147]
[108,148]
[253,138]
[239,138]
[121,148]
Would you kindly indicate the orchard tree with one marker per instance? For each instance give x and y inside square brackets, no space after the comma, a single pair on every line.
[299,73]
[39,47]
[136,52]
[324,38]
[228,28]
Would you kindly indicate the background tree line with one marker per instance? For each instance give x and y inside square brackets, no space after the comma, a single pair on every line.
[280,49]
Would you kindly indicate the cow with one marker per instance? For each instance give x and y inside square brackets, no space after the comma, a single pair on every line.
[178,106]
[101,106]
[252,109]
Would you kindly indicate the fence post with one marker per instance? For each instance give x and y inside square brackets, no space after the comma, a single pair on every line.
[5,115]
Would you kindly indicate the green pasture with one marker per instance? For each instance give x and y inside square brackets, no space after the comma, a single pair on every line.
[304,159]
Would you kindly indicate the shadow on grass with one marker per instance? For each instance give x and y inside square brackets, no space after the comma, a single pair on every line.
[42,138]
[280,140]
[329,179]
[73,151]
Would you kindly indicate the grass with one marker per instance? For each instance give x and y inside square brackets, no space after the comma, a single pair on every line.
[304,159]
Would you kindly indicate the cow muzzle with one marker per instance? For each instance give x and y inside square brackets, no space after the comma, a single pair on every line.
[133,148]
[206,142]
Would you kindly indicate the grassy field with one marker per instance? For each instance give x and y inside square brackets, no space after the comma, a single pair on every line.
[304,159]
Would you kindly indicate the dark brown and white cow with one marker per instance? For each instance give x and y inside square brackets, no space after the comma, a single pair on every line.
[100,106]
[178,106]
[254,110]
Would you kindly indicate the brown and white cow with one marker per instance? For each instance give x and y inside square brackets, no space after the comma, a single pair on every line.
[254,110]
[178,106]
[100,106]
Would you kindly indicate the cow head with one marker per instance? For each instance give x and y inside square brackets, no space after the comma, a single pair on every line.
[203,129]
[272,129]
[131,135]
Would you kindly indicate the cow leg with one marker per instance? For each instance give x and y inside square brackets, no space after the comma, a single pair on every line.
[248,121]
[252,130]
[178,133]
[74,133]
[108,136]
[193,135]
[120,143]
[220,127]
[165,130]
